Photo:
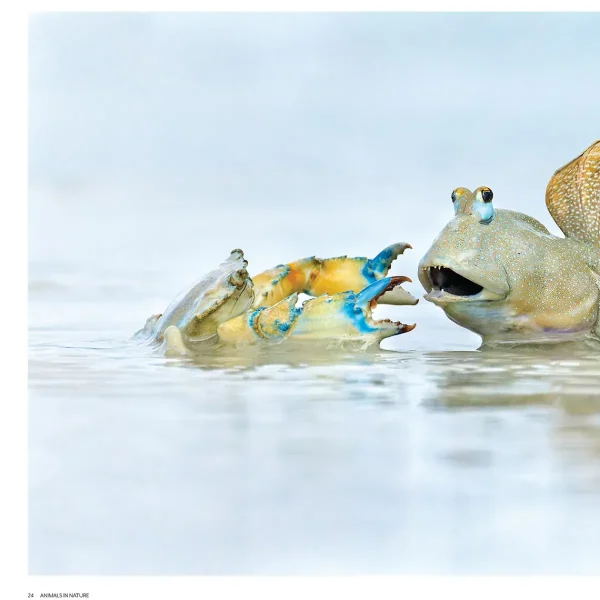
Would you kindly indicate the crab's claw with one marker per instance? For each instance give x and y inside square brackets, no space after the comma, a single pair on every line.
[349,317]
[380,265]
[316,276]
[273,323]
[345,316]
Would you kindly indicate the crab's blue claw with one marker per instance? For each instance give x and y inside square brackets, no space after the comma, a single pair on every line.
[380,265]
[374,291]
[331,318]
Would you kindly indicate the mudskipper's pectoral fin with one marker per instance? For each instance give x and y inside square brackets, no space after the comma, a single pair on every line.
[316,276]
[573,196]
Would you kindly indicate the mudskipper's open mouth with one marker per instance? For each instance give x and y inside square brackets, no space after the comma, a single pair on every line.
[447,280]
[445,285]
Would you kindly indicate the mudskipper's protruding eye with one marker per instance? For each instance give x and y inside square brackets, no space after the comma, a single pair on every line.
[487,195]
[453,196]
[484,207]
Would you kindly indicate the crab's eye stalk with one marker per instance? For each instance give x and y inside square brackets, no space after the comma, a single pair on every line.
[487,195]
[238,279]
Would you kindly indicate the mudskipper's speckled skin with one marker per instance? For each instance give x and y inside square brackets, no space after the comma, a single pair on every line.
[229,307]
[536,287]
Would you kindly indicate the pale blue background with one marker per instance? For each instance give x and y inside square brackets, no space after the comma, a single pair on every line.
[373,117]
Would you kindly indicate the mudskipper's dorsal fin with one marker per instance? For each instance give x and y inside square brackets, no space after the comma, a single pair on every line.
[573,196]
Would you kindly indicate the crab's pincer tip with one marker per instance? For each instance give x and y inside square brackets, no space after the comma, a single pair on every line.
[374,290]
[395,294]
[381,264]
[398,279]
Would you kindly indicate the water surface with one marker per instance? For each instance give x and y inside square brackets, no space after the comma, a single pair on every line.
[432,457]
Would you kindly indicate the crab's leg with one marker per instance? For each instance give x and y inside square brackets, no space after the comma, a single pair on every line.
[173,344]
[316,276]
[345,316]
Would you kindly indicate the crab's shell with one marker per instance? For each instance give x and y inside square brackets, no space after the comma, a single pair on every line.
[197,312]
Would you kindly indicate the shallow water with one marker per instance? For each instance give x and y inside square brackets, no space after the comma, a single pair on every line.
[433,457]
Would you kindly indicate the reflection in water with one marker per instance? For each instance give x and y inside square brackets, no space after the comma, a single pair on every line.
[292,354]
[299,460]
[565,374]
[565,377]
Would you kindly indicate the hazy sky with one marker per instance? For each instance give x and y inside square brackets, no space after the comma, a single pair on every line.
[374,118]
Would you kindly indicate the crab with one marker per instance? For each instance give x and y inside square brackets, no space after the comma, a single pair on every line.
[228,307]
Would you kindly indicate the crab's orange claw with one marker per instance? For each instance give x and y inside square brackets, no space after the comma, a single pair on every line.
[276,284]
[316,276]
